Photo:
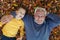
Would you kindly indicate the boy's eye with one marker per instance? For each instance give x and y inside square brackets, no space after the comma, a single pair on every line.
[22,13]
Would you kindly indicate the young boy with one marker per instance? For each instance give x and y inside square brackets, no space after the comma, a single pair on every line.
[11,28]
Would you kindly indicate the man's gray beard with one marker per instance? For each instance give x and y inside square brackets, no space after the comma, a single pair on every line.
[37,22]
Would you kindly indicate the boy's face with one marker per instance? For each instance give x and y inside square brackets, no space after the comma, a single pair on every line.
[20,13]
[39,17]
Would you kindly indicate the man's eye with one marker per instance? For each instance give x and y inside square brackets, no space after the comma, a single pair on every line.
[41,16]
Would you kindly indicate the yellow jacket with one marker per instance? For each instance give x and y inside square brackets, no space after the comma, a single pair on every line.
[0,24]
[12,27]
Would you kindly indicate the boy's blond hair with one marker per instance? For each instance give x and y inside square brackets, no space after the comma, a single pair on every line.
[21,9]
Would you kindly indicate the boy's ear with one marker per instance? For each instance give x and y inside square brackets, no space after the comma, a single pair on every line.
[13,13]
[16,11]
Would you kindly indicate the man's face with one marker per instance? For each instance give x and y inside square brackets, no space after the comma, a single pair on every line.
[39,17]
[20,13]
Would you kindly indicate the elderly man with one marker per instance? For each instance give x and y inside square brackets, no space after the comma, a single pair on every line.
[39,26]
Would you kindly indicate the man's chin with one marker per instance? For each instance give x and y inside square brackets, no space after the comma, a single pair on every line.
[40,23]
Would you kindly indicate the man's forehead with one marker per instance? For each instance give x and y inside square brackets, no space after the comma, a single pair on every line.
[40,14]
[38,10]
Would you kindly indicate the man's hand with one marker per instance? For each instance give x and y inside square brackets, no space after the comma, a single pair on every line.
[6,18]
[19,38]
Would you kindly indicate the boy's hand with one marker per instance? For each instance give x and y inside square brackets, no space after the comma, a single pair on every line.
[6,18]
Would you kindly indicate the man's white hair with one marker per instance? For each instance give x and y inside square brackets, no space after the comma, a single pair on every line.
[41,9]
